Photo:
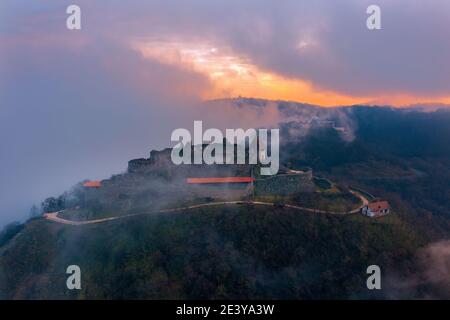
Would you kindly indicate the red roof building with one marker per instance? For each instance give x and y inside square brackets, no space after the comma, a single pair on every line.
[92,184]
[376,208]
[219,180]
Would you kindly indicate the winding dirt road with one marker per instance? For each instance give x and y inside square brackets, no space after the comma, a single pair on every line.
[53,216]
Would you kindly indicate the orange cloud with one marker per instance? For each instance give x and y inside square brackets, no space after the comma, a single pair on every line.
[231,76]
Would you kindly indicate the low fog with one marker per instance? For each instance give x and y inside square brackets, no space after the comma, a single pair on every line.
[74,118]
[430,277]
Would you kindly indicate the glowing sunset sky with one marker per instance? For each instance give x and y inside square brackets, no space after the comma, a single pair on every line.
[316,52]
[231,75]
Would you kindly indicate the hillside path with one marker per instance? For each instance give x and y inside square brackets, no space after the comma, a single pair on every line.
[53,216]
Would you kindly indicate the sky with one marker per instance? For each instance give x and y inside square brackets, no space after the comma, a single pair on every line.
[78,104]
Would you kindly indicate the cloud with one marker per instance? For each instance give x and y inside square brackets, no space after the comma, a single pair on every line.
[430,278]
[325,43]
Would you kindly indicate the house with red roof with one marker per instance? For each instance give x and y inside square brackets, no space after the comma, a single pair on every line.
[376,208]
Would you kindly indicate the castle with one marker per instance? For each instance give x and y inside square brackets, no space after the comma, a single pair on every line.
[225,181]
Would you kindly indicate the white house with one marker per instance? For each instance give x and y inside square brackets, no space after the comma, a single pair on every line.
[376,208]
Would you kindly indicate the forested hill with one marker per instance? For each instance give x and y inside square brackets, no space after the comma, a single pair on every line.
[258,252]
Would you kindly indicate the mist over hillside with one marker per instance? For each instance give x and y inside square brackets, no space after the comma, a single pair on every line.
[357,133]
[251,252]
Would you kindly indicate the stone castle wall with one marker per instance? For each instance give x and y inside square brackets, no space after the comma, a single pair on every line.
[135,164]
[157,159]
[284,184]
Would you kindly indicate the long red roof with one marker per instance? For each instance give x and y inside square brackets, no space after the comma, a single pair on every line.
[92,184]
[220,180]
